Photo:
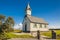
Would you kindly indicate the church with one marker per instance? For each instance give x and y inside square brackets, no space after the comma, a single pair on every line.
[33,24]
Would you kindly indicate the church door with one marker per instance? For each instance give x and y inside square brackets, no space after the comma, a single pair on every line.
[25,27]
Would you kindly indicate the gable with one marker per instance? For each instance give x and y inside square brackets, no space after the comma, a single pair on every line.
[25,20]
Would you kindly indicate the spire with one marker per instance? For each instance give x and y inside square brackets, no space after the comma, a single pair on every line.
[28,7]
[28,10]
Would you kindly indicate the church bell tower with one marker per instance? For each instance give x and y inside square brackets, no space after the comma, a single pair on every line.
[28,10]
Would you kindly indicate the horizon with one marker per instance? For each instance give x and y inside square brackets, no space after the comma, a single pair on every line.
[49,10]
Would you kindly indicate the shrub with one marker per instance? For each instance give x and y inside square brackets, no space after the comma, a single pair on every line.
[3,37]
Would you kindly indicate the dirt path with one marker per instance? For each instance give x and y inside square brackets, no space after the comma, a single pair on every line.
[22,39]
[28,39]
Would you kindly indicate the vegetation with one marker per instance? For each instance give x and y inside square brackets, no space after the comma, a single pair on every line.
[17,31]
[12,35]
[5,26]
[49,34]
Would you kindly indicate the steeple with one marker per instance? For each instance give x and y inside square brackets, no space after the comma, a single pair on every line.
[28,10]
[28,7]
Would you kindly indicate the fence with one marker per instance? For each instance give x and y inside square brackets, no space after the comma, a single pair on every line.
[42,38]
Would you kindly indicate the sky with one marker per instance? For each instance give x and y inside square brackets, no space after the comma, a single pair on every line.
[49,10]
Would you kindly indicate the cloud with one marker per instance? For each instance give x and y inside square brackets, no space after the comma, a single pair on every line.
[54,26]
[18,26]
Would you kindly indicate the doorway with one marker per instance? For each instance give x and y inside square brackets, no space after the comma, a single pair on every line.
[25,27]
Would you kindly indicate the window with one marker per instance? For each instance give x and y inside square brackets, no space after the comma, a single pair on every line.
[40,25]
[35,25]
[45,25]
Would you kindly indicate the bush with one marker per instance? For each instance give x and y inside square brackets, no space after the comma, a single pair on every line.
[3,37]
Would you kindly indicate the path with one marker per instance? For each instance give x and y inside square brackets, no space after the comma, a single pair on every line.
[22,33]
[22,39]
[28,39]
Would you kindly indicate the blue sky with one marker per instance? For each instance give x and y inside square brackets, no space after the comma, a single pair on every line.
[49,10]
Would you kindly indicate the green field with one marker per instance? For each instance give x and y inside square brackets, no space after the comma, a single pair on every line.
[49,34]
[11,35]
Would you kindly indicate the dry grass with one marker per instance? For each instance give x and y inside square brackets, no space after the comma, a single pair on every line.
[49,33]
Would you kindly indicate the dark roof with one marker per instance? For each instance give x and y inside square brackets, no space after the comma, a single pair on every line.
[36,20]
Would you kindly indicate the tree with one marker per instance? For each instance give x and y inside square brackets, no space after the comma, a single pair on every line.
[5,25]
[10,22]
[2,18]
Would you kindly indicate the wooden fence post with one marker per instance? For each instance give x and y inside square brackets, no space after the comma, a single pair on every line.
[53,34]
[38,35]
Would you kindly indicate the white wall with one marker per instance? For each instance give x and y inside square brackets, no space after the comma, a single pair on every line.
[28,12]
[32,28]
[26,21]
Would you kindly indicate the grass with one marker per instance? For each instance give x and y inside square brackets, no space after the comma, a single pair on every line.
[57,32]
[48,34]
[11,35]
[17,31]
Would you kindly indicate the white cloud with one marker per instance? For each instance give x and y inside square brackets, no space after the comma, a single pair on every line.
[18,26]
[54,26]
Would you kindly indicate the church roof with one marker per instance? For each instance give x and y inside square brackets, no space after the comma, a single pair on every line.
[36,20]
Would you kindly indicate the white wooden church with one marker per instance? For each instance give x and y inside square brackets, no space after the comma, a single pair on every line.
[33,24]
